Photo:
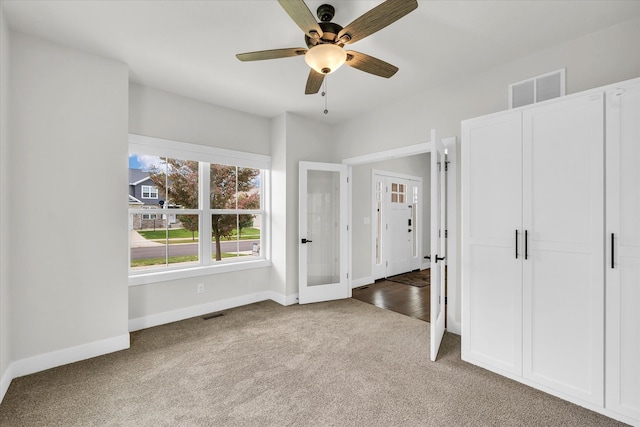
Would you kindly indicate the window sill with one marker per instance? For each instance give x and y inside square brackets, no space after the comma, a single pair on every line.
[164,276]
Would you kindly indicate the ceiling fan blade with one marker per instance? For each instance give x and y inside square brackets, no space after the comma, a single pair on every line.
[376,19]
[313,82]
[302,16]
[369,64]
[271,54]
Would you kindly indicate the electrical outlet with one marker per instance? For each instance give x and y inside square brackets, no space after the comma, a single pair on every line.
[200,288]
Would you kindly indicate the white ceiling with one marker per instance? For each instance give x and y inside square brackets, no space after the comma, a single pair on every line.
[189,47]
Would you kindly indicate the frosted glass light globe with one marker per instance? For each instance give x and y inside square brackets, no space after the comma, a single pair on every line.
[325,58]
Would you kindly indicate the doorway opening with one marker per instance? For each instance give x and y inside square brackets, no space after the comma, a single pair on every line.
[365,272]
[397,218]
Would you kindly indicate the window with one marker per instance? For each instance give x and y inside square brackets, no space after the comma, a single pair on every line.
[210,215]
[149,192]
[397,193]
[149,216]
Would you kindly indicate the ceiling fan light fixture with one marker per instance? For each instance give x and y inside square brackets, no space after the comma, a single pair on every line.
[325,58]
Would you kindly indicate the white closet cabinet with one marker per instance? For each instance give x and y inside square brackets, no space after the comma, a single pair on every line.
[623,251]
[536,247]
[492,215]
[563,226]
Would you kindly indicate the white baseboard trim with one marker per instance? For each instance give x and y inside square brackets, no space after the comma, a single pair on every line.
[198,310]
[454,327]
[283,299]
[42,362]
[65,356]
[356,283]
[5,382]
[291,299]
[425,265]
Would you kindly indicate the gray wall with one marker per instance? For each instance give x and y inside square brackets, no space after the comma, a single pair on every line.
[160,114]
[68,129]
[597,59]
[5,342]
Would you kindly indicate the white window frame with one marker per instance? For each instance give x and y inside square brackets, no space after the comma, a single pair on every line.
[139,144]
[150,190]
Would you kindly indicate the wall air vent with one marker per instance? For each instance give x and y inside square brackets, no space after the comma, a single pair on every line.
[537,89]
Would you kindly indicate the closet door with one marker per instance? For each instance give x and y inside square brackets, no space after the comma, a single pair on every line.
[491,222]
[623,251]
[563,220]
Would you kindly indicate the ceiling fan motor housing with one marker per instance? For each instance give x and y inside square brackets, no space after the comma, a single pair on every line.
[330,33]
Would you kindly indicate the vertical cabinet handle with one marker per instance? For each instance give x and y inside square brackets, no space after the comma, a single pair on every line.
[612,253]
[526,244]
[516,244]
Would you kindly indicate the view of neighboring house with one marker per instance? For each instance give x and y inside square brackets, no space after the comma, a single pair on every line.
[143,194]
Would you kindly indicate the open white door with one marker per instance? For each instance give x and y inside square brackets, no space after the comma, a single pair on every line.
[438,242]
[323,232]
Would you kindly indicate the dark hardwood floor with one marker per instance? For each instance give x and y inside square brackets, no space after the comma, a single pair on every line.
[404,299]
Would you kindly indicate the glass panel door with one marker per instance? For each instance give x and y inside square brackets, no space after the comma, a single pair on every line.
[323,212]
[323,232]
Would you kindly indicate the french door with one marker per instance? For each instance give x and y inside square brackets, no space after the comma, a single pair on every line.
[323,233]
[438,243]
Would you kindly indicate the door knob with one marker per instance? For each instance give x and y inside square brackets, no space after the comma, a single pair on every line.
[306,241]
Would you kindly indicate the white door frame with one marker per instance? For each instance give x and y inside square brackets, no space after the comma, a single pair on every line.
[337,286]
[418,181]
[453,308]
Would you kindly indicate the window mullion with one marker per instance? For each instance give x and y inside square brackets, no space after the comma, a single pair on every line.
[164,206]
[204,202]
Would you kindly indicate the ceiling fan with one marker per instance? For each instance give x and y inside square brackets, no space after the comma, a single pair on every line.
[326,40]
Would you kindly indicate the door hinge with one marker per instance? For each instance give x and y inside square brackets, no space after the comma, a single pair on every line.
[446,166]
[347,228]
[347,275]
[347,180]
[446,234]
[445,300]
[438,299]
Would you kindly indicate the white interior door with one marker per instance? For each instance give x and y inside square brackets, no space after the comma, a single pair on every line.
[623,251]
[438,243]
[563,268]
[492,242]
[323,232]
[399,229]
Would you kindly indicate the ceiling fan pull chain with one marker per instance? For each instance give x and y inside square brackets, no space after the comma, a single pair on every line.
[325,94]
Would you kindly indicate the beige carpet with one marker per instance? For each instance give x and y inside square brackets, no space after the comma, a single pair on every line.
[343,363]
